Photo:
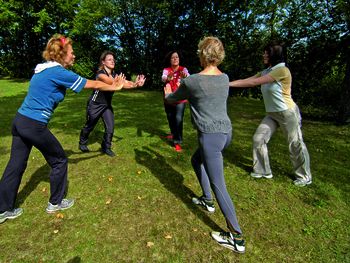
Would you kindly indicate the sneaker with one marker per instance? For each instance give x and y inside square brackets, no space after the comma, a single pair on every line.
[229,240]
[256,175]
[10,214]
[302,182]
[65,204]
[178,147]
[207,204]
[108,151]
[83,148]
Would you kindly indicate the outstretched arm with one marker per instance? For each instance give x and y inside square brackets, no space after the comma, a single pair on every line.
[140,80]
[167,75]
[112,85]
[251,81]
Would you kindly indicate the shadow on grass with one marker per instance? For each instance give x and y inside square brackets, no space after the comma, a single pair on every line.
[172,181]
[43,175]
[238,158]
[74,260]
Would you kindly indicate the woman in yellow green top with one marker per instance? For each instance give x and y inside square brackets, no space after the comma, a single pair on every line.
[281,111]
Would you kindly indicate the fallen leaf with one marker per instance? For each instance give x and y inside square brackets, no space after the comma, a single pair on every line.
[59,215]
[110,178]
[168,236]
[139,197]
[139,172]
[195,229]
[109,200]
[44,189]
[150,244]
[55,231]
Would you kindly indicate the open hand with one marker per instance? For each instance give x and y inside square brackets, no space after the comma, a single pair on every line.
[183,74]
[140,80]
[119,81]
[167,89]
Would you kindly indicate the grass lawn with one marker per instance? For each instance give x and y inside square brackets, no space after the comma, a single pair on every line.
[136,207]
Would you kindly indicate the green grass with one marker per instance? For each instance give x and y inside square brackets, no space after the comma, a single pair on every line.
[136,207]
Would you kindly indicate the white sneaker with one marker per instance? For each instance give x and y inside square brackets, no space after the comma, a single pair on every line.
[207,204]
[65,204]
[10,214]
[302,182]
[256,175]
[229,240]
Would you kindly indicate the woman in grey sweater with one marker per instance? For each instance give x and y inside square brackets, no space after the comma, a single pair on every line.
[207,94]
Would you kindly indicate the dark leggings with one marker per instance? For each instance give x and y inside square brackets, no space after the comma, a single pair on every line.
[94,112]
[208,165]
[175,116]
[27,133]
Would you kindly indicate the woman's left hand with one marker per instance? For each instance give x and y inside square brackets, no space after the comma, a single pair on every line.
[140,80]
[183,74]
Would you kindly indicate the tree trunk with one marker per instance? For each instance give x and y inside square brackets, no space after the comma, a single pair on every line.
[344,105]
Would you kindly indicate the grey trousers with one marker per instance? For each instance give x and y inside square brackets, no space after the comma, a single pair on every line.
[290,123]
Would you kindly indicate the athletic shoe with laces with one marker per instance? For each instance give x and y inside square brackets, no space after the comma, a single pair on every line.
[207,204]
[83,148]
[256,175]
[302,182]
[229,240]
[10,214]
[65,204]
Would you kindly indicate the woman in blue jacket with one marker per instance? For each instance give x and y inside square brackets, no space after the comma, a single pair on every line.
[47,89]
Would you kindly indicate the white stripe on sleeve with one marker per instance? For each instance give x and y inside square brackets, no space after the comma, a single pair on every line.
[76,83]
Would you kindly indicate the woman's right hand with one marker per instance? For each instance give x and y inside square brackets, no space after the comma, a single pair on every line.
[167,89]
[118,82]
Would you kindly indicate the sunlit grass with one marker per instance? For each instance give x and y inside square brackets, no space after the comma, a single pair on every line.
[136,207]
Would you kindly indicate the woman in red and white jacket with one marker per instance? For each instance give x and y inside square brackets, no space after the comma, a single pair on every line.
[174,111]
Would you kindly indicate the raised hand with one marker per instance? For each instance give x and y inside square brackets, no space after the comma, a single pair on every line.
[183,74]
[167,89]
[119,81]
[140,80]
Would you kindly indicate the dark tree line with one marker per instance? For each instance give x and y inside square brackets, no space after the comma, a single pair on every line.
[141,32]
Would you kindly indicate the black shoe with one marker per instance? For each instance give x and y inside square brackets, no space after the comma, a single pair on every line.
[108,151]
[83,148]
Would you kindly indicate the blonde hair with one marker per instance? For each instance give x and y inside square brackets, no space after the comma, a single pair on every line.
[56,48]
[211,51]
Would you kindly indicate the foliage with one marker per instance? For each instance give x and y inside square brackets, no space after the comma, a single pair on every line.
[141,32]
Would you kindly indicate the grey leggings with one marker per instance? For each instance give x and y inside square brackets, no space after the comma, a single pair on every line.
[208,165]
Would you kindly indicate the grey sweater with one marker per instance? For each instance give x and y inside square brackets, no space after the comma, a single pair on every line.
[207,95]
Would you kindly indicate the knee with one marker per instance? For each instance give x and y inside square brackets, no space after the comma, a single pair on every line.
[63,160]
[258,140]
[60,162]
[178,117]
[295,146]
[195,160]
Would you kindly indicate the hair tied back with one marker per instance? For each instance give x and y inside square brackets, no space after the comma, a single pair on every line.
[63,41]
